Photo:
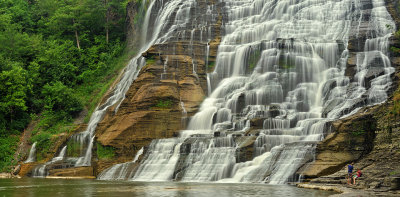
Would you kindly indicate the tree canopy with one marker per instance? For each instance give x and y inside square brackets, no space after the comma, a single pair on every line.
[49,50]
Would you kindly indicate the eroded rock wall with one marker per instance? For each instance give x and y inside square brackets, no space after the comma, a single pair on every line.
[169,88]
[370,138]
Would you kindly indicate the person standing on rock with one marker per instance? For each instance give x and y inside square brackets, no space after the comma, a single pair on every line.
[350,173]
[356,176]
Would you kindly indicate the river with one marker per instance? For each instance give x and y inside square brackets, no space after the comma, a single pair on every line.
[61,187]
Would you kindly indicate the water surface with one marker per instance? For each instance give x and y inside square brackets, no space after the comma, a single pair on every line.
[59,187]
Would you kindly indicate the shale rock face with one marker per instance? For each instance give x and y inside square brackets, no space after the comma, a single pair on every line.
[369,138]
[169,88]
[351,138]
[84,172]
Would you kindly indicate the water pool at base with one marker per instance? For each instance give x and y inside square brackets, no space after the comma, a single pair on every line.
[60,187]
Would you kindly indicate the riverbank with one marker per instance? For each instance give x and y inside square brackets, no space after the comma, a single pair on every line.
[364,186]
[5,175]
[347,190]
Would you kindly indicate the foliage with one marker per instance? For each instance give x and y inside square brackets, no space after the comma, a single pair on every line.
[139,16]
[358,133]
[286,64]
[164,104]
[150,61]
[394,173]
[105,152]
[57,57]
[254,58]
[397,36]
[43,143]
[60,98]
[395,49]
[74,148]
[395,109]
[14,89]
[211,65]
[8,146]
[389,27]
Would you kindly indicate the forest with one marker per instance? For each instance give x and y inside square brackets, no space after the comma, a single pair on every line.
[57,58]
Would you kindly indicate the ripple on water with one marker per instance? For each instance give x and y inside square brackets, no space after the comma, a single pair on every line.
[51,187]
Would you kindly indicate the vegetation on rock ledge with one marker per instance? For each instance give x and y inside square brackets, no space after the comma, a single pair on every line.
[164,104]
[105,152]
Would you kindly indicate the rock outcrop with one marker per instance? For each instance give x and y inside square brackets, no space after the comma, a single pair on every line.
[86,172]
[370,138]
[350,139]
[168,89]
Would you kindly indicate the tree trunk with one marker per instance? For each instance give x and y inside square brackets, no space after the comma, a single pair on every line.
[76,35]
[107,18]
[107,31]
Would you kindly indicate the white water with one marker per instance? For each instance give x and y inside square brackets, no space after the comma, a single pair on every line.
[39,171]
[42,169]
[296,86]
[210,161]
[138,154]
[120,171]
[129,74]
[32,154]
[161,161]
[62,155]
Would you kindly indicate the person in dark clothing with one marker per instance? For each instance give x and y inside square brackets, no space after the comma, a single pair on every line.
[350,173]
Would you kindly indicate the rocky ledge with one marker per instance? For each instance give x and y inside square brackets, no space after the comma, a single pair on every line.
[168,89]
[347,191]
[369,138]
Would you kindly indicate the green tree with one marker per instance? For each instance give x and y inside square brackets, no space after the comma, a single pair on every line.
[14,86]
[50,52]
[59,98]
[59,62]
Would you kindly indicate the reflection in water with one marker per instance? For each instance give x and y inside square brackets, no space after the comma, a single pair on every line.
[67,188]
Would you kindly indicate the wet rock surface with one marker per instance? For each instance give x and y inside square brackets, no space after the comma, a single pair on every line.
[374,148]
[169,88]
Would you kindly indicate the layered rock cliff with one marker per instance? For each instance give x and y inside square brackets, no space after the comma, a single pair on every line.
[168,89]
[370,138]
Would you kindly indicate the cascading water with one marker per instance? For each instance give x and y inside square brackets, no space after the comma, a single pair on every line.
[62,154]
[121,171]
[32,154]
[154,31]
[42,169]
[282,63]
[160,32]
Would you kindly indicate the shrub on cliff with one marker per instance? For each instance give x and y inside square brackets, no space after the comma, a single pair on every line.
[59,98]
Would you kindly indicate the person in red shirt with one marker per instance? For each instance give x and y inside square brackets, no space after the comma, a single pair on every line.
[356,176]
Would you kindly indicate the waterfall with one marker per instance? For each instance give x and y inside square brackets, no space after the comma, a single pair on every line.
[39,171]
[42,169]
[138,154]
[62,155]
[184,114]
[160,164]
[157,33]
[281,63]
[32,154]
[120,171]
